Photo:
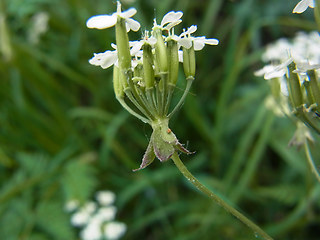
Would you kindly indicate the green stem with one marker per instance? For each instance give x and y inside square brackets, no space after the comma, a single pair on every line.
[257,230]
[125,106]
[169,97]
[138,105]
[310,160]
[186,91]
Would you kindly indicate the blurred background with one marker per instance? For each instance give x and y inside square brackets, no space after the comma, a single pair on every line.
[63,135]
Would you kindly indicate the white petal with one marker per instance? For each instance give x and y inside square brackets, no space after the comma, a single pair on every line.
[132,24]
[264,70]
[101,21]
[180,54]
[276,73]
[152,41]
[129,13]
[199,43]
[191,29]
[185,42]
[311,3]
[175,38]
[301,6]
[114,46]
[105,60]
[136,46]
[171,25]
[171,17]
[211,41]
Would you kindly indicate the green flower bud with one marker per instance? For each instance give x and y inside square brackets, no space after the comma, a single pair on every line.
[138,70]
[148,65]
[314,87]
[160,51]
[189,62]
[294,87]
[117,85]
[123,49]
[173,61]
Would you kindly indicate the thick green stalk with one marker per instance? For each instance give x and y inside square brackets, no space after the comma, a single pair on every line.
[257,230]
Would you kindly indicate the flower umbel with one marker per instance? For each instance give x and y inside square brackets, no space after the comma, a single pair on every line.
[146,73]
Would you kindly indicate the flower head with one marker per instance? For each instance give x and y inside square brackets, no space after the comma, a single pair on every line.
[107,21]
[303,5]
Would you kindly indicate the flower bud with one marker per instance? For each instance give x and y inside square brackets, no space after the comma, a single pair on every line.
[173,61]
[160,51]
[189,62]
[148,65]
[294,87]
[314,87]
[117,85]
[124,56]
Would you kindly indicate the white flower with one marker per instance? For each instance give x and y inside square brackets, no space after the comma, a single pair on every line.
[105,198]
[106,213]
[114,230]
[105,59]
[39,26]
[92,231]
[71,205]
[107,21]
[186,40]
[89,207]
[79,219]
[277,71]
[170,20]
[83,216]
[303,67]
[137,45]
[303,5]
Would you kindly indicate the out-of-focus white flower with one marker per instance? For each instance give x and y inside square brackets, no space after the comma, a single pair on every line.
[80,218]
[277,71]
[89,207]
[186,40]
[106,213]
[92,231]
[303,5]
[107,21]
[303,50]
[114,230]
[105,198]
[39,26]
[71,205]
[278,51]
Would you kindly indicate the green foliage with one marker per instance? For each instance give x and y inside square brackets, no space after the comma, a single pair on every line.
[63,135]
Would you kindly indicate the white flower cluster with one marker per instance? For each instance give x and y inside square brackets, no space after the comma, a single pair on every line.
[304,50]
[96,219]
[169,21]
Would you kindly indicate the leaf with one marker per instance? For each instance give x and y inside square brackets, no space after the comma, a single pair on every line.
[78,180]
[148,157]
[53,221]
